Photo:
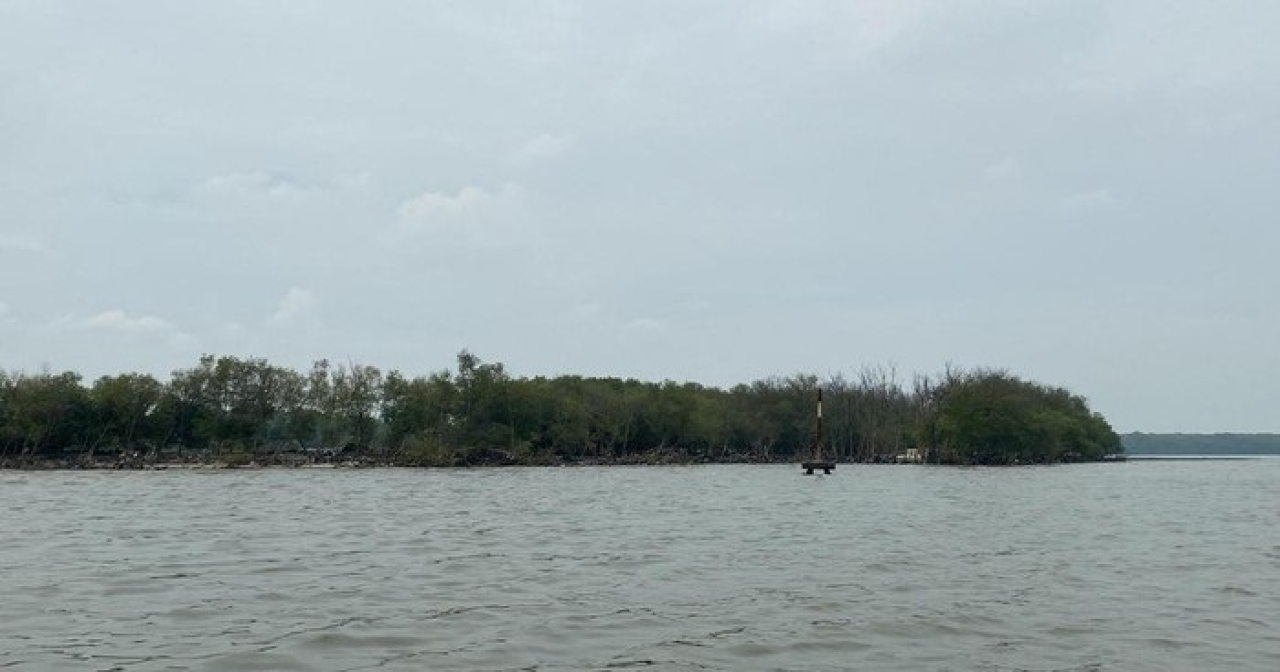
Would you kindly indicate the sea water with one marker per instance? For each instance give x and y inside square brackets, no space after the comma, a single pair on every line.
[1131,566]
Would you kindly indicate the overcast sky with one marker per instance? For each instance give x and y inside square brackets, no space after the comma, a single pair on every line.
[1084,192]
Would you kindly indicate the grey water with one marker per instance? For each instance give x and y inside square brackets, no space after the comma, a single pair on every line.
[1133,566]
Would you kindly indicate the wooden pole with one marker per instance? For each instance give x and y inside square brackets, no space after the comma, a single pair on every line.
[817,439]
[819,460]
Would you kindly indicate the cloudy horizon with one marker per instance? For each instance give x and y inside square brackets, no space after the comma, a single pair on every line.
[1079,192]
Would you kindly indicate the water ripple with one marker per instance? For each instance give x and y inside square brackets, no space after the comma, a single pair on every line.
[1146,566]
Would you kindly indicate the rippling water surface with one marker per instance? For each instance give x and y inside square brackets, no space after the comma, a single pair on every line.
[1137,566]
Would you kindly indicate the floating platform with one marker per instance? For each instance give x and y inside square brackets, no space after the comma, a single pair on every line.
[810,467]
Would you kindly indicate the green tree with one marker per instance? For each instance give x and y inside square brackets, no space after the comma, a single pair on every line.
[125,412]
[992,417]
[416,414]
[356,390]
[45,414]
[482,405]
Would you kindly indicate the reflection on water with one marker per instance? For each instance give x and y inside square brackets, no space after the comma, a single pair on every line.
[1138,566]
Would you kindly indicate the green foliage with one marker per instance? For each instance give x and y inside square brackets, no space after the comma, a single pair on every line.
[991,417]
[246,410]
[43,414]
[416,414]
[125,411]
[225,400]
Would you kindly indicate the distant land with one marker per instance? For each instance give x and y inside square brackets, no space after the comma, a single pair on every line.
[233,411]
[1139,443]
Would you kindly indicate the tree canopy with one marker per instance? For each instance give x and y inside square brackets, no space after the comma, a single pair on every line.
[477,413]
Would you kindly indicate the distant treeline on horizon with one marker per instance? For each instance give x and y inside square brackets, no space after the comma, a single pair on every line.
[227,408]
[1226,443]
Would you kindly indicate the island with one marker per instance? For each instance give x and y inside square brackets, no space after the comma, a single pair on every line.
[230,411]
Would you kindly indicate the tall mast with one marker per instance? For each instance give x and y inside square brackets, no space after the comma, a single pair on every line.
[817,439]
[819,460]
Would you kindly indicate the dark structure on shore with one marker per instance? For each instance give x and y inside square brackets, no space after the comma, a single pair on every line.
[819,460]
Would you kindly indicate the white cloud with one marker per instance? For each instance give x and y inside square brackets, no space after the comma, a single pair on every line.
[645,325]
[119,320]
[1188,51]
[586,311]
[354,181]
[1087,201]
[642,330]
[294,305]
[1005,170]
[592,315]
[472,217]
[260,181]
[545,147]
[278,184]
[855,27]
[431,204]
[20,243]
[1221,124]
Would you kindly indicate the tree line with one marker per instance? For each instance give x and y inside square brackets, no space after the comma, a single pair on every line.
[229,409]
[1225,443]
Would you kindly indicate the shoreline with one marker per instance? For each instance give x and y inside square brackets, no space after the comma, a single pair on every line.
[664,461]
[1201,458]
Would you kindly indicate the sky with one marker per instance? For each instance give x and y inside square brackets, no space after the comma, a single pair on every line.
[1085,193]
